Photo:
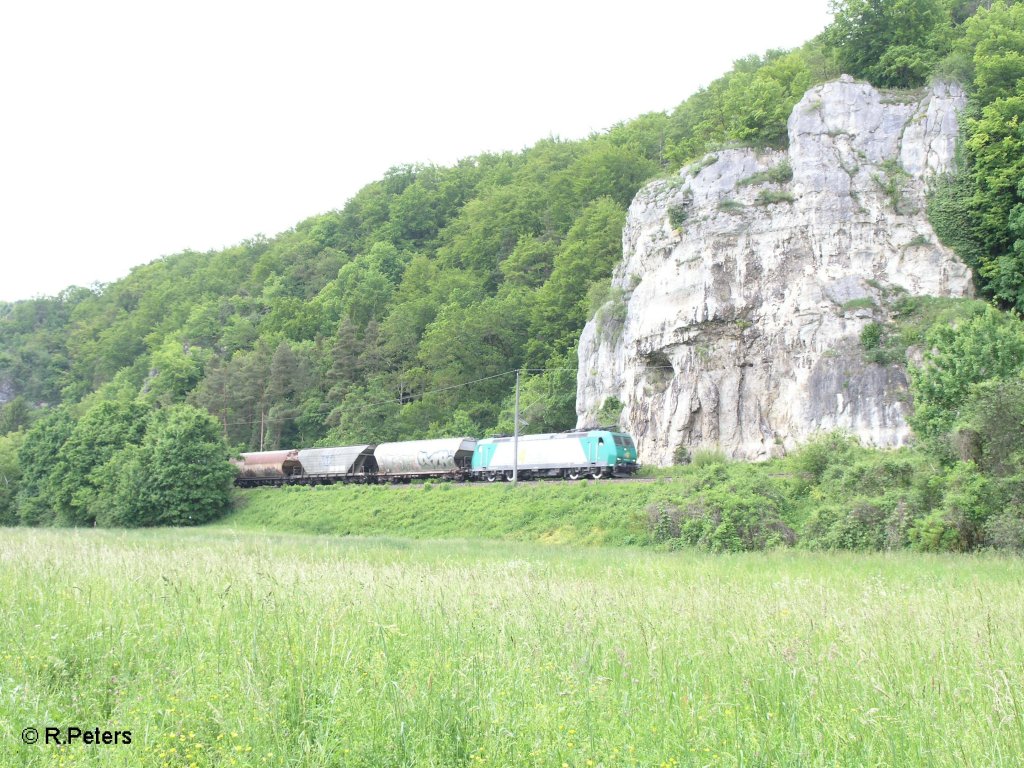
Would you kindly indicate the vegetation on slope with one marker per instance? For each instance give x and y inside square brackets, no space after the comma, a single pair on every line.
[833,494]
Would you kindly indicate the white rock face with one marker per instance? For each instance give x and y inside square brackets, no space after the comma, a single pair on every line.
[742,327]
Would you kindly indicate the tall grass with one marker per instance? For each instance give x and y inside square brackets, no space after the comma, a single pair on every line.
[222,648]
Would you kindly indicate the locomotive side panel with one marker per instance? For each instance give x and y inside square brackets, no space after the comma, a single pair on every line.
[556,451]
[597,450]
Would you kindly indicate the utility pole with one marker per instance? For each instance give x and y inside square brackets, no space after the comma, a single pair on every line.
[515,436]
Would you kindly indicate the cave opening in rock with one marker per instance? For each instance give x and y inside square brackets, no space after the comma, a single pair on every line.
[658,372]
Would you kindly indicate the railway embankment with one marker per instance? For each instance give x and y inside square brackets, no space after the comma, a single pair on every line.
[832,494]
[584,512]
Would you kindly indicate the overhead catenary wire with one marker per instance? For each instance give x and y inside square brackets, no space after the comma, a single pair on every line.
[389,401]
[401,400]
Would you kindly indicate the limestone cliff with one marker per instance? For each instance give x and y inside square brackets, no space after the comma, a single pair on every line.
[736,313]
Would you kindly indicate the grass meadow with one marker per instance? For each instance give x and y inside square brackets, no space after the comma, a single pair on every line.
[220,648]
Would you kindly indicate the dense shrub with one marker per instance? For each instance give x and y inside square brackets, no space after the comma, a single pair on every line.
[781,173]
[990,431]
[824,451]
[724,507]
[721,520]
[664,521]
[987,346]
[874,474]
[704,457]
[957,525]
[1005,530]
[860,524]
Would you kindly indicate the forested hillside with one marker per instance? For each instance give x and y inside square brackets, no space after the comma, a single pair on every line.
[399,315]
[428,278]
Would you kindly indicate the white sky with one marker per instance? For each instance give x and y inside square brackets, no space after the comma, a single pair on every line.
[132,130]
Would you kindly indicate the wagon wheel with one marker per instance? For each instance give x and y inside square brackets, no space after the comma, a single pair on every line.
[574,474]
[491,477]
[597,474]
[509,474]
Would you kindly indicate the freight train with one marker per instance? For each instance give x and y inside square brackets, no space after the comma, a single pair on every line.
[573,455]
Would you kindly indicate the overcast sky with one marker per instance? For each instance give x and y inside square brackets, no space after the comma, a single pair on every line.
[132,130]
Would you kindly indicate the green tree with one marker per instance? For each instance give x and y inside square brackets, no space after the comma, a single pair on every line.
[361,292]
[607,169]
[749,105]
[402,330]
[980,211]
[15,415]
[38,457]
[459,424]
[10,476]
[547,398]
[236,392]
[372,359]
[646,136]
[345,370]
[33,344]
[178,475]
[996,146]
[175,369]
[990,431]
[756,104]
[467,348]
[288,382]
[989,51]
[102,431]
[988,346]
[588,254]
[530,262]
[892,43]
[367,414]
